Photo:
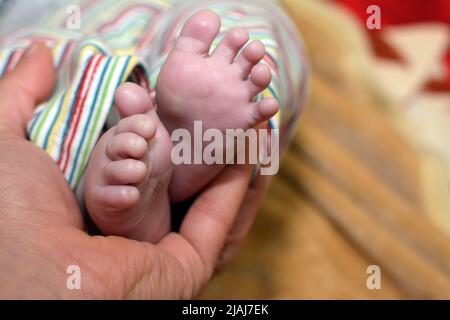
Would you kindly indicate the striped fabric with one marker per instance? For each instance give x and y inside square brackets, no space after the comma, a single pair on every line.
[121,40]
[70,125]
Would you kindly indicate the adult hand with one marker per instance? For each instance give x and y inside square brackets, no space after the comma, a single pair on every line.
[41,227]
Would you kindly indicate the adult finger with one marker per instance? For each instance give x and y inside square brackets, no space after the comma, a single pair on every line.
[244,220]
[207,224]
[31,82]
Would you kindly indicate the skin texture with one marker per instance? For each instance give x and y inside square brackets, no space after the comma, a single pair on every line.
[216,88]
[41,228]
[128,176]
[129,172]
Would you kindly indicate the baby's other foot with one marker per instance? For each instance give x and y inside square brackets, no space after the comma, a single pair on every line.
[217,88]
[128,174]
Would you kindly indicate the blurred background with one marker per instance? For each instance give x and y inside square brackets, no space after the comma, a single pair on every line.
[366,180]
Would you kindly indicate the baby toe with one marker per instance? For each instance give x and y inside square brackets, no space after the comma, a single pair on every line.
[230,45]
[249,57]
[139,124]
[132,99]
[199,32]
[262,111]
[260,78]
[115,197]
[127,171]
[126,145]
[267,108]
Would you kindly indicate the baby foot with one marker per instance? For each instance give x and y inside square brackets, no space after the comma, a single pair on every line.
[126,182]
[216,88]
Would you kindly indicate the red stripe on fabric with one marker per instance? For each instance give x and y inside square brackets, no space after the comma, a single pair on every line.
[77,122]
[77,99]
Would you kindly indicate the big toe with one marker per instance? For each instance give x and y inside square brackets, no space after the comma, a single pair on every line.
[132,99]
[199,32]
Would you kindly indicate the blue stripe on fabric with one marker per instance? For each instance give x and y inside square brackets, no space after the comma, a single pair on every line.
[35,120]
[69,115]
[61,99]
[88,122]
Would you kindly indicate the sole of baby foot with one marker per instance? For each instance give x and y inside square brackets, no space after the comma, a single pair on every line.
[215,87]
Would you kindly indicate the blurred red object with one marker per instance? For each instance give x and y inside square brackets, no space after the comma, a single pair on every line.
[401,12]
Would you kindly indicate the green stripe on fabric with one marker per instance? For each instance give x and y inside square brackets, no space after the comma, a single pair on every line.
[95,123]
[37,132]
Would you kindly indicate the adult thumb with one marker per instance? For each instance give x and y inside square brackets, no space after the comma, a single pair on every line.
[31,82]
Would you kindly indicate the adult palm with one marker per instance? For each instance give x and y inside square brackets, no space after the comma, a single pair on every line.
[42,231]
